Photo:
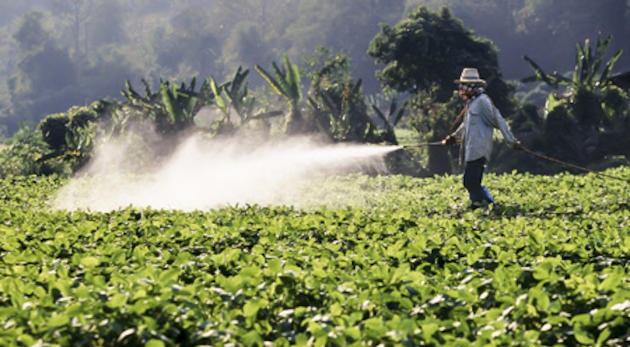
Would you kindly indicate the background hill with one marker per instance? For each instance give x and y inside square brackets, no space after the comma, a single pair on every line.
[59,53]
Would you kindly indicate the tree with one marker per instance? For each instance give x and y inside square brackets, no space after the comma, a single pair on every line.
[246,46]
[108,26]
[30,34]
[186,45]
[45,70]
[550,28]
[337,101]
[45,75]
[427,51]
[77,13]
[345,26]
[70,135]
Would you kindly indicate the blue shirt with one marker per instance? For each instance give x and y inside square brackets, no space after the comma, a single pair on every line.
[477,128]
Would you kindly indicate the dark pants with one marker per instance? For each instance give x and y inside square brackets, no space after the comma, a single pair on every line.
[473,173]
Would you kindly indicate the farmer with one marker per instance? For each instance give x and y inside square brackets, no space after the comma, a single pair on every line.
[476,130]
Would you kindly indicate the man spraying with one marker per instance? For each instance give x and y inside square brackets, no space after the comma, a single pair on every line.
[476,130]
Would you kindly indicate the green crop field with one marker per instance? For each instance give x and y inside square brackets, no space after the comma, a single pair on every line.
[363,261]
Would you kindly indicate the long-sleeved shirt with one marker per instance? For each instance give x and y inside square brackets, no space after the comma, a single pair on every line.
[477,128]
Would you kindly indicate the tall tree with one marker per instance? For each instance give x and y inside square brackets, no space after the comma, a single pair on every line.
[245,46]
[545,29]
[108,26]
[76,13]
[423,54]
[427,51]
[346,26]
[44,71]
[186,45]
[549,29]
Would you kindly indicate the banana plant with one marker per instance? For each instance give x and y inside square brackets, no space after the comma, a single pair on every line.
[577,119]
[587,87]
[326,117]
[181,104]
[586,74]
[286,82]
[340,111]
[80,144]
[334,110]
[173,107]
[223,125]
[237,90]
[391,119]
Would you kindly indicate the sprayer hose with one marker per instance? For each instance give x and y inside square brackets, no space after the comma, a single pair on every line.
[569,165]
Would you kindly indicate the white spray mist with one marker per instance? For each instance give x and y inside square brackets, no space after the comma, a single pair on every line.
[202,175]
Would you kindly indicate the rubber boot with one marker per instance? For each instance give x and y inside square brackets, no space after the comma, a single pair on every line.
[487,194]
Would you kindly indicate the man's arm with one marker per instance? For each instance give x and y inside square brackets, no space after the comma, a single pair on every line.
[493,116]
[455,136]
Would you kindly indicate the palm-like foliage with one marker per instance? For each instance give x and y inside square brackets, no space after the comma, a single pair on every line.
[340,112]
[80,144]
[586,74]
[390,119]
[235,95]
[224,124]
[173,107]
[237,91]
[576,120]
[287,82]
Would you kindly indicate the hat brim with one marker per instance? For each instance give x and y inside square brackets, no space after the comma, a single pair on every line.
[470,81]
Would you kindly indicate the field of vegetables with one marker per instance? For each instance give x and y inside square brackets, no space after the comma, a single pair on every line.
[364,261]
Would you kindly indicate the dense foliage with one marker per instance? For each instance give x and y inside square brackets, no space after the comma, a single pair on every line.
[420,56]
[425,50]
[590,115]
[55,54]
[388,260]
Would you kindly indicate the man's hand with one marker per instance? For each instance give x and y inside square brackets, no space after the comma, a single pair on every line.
[449,140]
[516,145]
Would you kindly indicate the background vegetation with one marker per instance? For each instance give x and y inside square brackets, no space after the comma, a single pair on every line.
[333,62]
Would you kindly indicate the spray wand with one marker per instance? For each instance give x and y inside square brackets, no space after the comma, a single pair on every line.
[436,143]
[569,165]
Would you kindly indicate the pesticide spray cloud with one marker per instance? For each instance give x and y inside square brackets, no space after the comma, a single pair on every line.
[203,174]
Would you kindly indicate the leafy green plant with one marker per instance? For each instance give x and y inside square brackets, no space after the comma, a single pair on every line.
[70,135]
[365,260]
[238,92]
[584,121]
[173,107]
[390,118]
[235,96]
[287,82]
[23,154]
[338,105]
[586,74]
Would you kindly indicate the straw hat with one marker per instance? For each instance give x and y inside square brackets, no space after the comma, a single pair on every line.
[470,75]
